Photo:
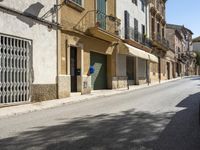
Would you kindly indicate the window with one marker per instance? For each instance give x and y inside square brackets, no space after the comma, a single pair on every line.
[158,28]
[78,2]
[179,52]
[136,29]
[158,4]
[142,5]
[163,32]
[143,33]
[153,25]
[135,2]
[127,24]
[143,29]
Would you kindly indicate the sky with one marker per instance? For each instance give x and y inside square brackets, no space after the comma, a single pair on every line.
[184,12]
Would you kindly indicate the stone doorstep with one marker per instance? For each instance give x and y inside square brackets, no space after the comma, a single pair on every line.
[11,110]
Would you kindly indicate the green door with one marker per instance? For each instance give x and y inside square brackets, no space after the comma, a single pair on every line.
[99,77]
[101,13]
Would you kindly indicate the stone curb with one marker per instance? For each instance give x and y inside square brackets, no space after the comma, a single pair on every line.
[26,108]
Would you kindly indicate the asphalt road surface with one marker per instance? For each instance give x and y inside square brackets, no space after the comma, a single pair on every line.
[162,117]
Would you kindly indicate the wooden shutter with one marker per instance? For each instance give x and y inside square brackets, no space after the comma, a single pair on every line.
[136,29]
[127,24]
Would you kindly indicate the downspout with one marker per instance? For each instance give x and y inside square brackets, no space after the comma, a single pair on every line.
[148,61]
[146,3]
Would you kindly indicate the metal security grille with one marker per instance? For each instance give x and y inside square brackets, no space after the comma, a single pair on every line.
[14,69]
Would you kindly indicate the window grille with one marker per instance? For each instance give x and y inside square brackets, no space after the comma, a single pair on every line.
[14,69]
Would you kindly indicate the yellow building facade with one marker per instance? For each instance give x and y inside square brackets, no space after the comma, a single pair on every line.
[87,48]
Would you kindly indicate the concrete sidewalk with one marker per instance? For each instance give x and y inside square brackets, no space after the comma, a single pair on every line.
[74,98]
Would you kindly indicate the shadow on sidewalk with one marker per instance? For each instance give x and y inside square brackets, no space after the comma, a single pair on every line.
[129,130]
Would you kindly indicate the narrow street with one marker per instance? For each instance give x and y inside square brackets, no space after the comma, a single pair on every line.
[162,117]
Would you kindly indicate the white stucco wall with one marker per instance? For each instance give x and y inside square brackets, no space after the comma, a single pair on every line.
[44,41]
[135,12]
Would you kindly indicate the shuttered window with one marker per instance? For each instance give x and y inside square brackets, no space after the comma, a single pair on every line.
[142,5]
[143,33]
[127,24]
[136,29]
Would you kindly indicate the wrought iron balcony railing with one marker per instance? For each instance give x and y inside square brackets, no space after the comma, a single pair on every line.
[97,19]
[138,37]
[165,42]
[160,40]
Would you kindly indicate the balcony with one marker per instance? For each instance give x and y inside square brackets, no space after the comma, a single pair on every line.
[157,9]
[160,42]
[99,25]
[182,57]
[137,39]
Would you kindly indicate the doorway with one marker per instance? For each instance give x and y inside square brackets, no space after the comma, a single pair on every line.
[159,69]
[73,68]
[168,70]
[130,70]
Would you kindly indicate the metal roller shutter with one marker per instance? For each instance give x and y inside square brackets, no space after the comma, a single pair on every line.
[99,78]
[14,69]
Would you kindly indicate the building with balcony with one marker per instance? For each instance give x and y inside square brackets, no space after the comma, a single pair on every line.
[158,36]
[182,45]
[176,45]
[134,58]
[87,52]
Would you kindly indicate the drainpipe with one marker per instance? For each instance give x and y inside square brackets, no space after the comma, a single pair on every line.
[146,3]
[146,24]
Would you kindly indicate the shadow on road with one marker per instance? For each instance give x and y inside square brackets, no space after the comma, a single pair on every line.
[194,78]
[183,132]
[129,130]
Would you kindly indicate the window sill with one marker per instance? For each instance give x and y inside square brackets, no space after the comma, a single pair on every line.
[75,6]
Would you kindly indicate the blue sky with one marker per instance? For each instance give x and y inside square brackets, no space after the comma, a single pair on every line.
[184,12]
